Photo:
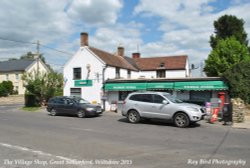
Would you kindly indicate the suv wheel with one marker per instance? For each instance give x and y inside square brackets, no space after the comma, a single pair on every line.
[133,116]
[53,112]
[81,114]
[181,120]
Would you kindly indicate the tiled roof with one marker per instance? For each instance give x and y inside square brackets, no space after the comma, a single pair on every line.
[113,60]
[167,63]
[143,64]
[15,65]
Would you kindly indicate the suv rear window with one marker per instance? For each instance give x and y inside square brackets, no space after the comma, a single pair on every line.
[136,97]
[142,97]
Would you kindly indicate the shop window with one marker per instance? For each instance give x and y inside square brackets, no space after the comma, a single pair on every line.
[204,96]
[160,73]
[77,73]
[123,95]
[75,92]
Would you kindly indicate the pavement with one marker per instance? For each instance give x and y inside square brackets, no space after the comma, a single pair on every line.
[243,125]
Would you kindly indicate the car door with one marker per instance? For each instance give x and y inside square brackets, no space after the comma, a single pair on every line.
[69,107]
[145,105]
[160,109]
[59,103]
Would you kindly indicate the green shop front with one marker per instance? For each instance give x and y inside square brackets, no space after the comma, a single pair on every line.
[198,90]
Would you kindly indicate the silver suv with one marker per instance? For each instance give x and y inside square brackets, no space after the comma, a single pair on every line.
[160,105]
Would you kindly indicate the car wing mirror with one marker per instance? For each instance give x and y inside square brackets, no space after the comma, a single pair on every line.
[165,102]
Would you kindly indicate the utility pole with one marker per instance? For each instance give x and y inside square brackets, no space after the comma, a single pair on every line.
[37,55]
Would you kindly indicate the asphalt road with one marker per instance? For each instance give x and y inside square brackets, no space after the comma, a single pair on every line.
[35,139]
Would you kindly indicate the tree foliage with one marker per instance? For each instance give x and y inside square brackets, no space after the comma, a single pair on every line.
[3,91]
[43,86]
[225,55]
[32,56]
[8,85]
[238,78]
[228,26]
[6,88]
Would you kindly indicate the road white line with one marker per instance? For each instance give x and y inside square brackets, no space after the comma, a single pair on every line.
[20,148]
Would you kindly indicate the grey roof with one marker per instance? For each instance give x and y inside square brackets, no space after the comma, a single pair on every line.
[15,65]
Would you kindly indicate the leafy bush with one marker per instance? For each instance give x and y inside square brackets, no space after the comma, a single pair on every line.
[43,86]
[31,100]
[3,91]
[8,85]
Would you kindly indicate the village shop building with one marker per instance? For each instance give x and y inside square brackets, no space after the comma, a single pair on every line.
[86,72]
[195,90]
[106,78]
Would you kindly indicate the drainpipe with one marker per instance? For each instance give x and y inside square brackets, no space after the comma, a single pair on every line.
[103,90]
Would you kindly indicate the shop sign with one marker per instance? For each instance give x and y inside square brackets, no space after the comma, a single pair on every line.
[83,83]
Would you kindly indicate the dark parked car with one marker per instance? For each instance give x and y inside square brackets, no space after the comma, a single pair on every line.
[72,106]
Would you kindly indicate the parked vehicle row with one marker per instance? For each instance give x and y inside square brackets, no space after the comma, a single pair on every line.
[137,106]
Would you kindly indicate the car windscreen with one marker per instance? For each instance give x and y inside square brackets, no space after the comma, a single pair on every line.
[172,98]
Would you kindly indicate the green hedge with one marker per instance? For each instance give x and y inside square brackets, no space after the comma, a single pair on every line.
[31,100]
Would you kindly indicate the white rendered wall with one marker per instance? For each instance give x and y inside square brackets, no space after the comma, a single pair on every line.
[80,60]
[152,74]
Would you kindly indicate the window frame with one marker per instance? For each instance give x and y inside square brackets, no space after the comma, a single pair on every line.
[77,75]
[161,73]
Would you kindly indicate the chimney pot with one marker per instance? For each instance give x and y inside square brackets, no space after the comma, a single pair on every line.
[120,51]
[136,55]
[84,39]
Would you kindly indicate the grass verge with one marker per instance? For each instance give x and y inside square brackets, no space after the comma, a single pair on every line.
[31,109]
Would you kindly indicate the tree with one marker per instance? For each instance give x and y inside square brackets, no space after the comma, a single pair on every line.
[238,78]
[8,85]
[227,26]
[43,86]
[224,56]
[32,56]
[3,91]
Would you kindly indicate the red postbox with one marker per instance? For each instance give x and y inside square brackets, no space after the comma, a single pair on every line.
[221,96]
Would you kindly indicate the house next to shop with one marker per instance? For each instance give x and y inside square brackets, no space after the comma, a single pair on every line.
[86,72]
[13,71]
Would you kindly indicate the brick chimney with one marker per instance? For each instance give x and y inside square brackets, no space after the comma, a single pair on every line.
[136,55]
[84,39]
[120,51]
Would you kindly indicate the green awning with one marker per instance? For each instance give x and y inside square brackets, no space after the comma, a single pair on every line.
[160,85]
[201,85]
[196,85]
[125,86]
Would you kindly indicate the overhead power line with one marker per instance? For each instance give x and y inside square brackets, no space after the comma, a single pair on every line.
[35,43]
[17,41]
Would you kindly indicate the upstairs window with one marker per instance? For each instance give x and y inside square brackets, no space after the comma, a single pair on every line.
[117,73]
[77,73]
[17,77]
[160,73]
[129,74]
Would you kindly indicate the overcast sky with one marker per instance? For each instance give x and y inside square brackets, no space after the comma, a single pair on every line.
[154,27]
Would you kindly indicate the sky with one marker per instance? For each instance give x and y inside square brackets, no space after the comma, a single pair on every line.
[152,27]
